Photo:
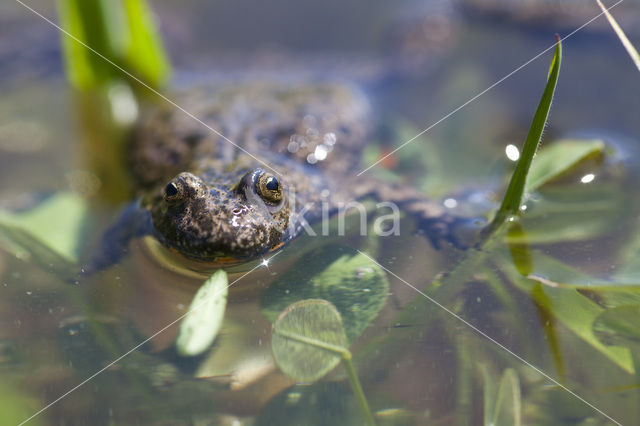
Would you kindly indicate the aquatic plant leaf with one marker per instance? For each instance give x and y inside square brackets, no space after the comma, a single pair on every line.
[145,51]
[121,31]
[354,284]
[84,69]
[488,393]
[503,407]
[308,340]
[573,213]
[633,53]
[515,191]
[629,269]
[578,313]
[571,309]
[202,323]
[555,273]
[560,158]
[619,326]
[520,249]
[56,225]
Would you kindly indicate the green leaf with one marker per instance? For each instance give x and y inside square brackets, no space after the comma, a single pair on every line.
[200,326]
[560,158]
[308,340]
[121,31]
[519,249]
[145,52]
[629,269]
[573,213]
[85,21]
[515,191]
[505,407]
[578,313]
[570,308]
[56,226]
[354,284]
[554,273]
[619,326]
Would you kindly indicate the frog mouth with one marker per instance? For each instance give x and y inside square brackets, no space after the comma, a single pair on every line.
[172,259]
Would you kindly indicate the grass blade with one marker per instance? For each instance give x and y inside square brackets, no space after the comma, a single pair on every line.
[621,35]
[515,191]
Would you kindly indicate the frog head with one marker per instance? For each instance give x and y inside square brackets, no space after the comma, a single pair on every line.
[235,218]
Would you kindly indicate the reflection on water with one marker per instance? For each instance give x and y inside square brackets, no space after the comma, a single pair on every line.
[417,363]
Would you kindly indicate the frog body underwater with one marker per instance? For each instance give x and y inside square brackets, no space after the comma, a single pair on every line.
[289,152]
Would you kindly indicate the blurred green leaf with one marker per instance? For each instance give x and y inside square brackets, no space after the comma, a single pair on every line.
[629,269]
[16,405]
[503,407]
[519,248]
[203,320]
[560,158]
[554,273]
[121,31]
[569,307]
[308,340]
[578,313]
[145,52]
[619,326]
[620,295]
[575,212]
[56,225]
[84,68]
[354,284]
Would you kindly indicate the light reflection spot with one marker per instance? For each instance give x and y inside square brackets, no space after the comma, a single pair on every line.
[450,203]
[588,178]
[512,151]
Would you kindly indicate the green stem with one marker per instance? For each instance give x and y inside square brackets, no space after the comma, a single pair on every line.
[464,379]
[345,354]
[357,388]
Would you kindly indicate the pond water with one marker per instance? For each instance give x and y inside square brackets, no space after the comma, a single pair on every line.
[534,328]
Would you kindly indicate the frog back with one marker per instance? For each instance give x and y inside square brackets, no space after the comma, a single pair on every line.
[321,127]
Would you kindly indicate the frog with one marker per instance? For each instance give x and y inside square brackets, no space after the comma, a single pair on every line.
[274,158]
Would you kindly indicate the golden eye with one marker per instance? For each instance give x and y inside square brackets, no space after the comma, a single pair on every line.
[269,188]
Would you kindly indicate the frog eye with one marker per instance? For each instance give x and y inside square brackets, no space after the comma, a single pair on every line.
[269,188]
[174,192]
